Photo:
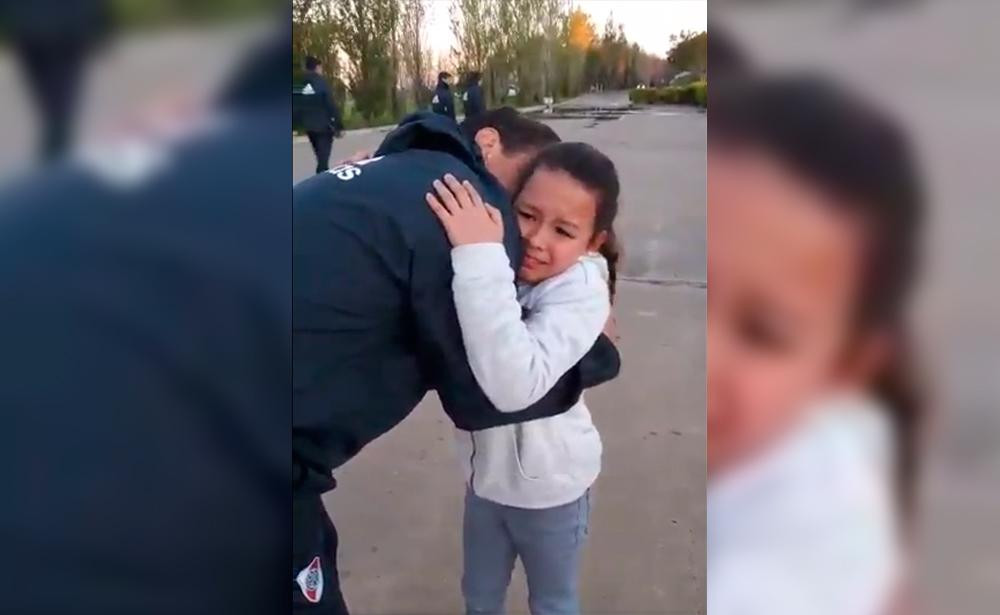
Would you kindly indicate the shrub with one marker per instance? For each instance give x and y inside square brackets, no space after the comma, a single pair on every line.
[691,94]
[700,93]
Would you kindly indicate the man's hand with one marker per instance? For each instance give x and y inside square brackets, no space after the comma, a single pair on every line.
[357,156]
[464,215]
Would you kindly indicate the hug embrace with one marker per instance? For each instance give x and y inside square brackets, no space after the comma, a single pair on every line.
[478,261]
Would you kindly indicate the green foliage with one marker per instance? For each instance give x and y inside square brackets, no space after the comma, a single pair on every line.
[691,94]
[689,51]
[153,13]
[367,37]
[700,90]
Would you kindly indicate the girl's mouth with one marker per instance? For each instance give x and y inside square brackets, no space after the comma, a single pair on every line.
[530,262]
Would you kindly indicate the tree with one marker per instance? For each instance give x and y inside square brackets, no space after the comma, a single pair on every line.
[367,39]
[412,50]
[689,51]
[474,23]
[471,25]
[315,32]
[581,33]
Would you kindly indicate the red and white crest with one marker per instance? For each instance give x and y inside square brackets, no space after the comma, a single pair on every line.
[310,580]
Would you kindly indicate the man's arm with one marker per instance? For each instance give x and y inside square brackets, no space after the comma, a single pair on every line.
[443,357]
[515,359]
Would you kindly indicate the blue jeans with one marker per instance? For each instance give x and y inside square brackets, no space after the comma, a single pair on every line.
[549,542]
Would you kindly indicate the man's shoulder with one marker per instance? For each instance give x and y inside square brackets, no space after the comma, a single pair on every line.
[393,185]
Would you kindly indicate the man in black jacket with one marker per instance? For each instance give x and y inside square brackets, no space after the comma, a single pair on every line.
[320,116]
[145,319]
[443,103]
[53,40]
[374,322]
[473,97]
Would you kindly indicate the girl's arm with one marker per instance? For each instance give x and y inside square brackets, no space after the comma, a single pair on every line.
[516,362]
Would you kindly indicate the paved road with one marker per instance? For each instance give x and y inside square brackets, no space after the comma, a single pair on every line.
[399,503]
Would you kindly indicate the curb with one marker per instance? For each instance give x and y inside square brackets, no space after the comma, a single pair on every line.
[296,139]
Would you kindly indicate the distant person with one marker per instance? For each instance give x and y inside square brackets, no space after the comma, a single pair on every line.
[473,97]
[443,103]
[726,57]
[53,41]
[528,485]
[320,115]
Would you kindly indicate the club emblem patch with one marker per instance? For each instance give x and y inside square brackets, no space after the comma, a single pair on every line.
[310,580]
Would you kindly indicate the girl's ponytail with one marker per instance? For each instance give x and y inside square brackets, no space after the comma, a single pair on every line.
[612,254]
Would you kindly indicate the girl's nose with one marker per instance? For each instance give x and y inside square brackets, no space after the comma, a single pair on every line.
[539,236]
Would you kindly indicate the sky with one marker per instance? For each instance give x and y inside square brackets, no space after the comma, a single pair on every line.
[647,22]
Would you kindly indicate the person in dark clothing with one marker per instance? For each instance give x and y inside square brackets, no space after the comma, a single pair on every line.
[473,97]
[726,57]
[443,103]
[320,115]
[146,327]
[374,321]
[53,41]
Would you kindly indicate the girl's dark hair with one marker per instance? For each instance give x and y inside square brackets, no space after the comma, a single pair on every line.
[856,154]
[594,170]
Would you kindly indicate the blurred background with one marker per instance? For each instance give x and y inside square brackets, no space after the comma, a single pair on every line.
[382,57]
[931,64]
[76,70]
[144,144]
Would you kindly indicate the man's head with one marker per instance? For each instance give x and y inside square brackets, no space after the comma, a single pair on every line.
[508,142]
[444,77]
[314,65]
[473,78]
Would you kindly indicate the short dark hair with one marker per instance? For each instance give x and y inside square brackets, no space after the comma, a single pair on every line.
[517,133]
[312,62]
[444,75]
[473,77]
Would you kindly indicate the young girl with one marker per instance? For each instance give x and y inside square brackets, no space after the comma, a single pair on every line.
[814,213]
[528,484]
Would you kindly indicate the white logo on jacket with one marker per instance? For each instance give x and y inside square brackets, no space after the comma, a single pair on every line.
[348,171]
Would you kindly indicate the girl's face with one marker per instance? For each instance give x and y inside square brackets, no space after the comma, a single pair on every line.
[782,268]
[556,216]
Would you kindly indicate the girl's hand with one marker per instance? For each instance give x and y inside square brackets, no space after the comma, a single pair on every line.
[464,215]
